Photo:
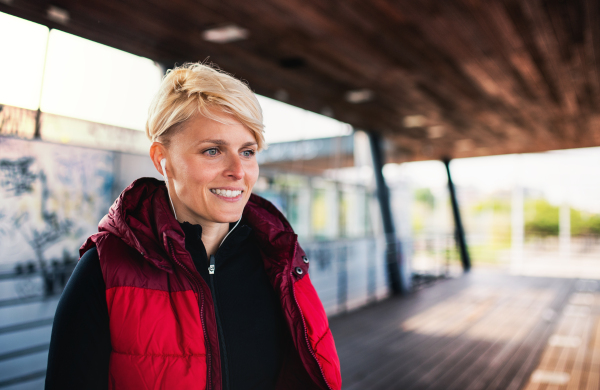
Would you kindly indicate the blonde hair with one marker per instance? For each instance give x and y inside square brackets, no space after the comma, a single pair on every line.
[197,87]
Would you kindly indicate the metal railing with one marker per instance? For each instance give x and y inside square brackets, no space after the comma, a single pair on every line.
[348,273]
[27,282]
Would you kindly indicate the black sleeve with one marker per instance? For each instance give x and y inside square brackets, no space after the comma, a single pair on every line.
[80,344]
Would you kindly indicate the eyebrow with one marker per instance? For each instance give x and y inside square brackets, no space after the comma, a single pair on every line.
[225,143]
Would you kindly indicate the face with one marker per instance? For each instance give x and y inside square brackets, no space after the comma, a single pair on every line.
[211,168]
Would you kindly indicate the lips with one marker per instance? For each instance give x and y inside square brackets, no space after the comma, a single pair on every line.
[228,194]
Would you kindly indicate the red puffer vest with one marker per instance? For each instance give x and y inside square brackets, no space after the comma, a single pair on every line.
[162,320]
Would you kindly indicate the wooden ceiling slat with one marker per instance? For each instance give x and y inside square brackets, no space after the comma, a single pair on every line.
[511,87]
[568,70]
[515,52]
[498,76]
[592,46]
[454,23]
[547,38]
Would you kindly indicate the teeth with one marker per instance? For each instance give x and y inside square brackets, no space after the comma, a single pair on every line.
[226,193]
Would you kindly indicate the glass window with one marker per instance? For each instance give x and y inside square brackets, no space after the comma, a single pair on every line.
[22,61]
[90,81]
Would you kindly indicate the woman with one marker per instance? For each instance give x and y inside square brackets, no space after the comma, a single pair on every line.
[196,284]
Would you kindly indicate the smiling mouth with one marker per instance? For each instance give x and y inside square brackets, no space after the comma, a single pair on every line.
[226,193]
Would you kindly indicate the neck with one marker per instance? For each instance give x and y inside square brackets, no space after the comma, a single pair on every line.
[212,235]
[212,232]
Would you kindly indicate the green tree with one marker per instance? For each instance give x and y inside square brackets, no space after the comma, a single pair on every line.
[541,218]
[501,206]
[593,224]
[425,196]
[423,207]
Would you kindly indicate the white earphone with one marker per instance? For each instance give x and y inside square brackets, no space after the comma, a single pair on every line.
[163,164]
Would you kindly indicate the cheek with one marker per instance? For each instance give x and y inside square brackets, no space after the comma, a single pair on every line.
[194,176]
[252,174]
[201,177]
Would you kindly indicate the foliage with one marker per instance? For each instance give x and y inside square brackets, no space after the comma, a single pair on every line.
[584,223]
[423,207]
[541,218]
[424,195]
[593,224]
[496,205]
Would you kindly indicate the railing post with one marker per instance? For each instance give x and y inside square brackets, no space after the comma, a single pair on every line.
[461,241]
[393,254]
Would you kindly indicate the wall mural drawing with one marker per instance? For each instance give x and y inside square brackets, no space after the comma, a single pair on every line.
[51,198]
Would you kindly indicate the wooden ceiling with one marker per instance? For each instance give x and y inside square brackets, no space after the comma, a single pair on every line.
[452,78]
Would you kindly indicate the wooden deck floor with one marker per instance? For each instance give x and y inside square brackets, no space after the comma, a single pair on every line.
[481,331]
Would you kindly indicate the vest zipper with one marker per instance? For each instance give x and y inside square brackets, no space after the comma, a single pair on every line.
[211,266]
[201,299]
[211,271]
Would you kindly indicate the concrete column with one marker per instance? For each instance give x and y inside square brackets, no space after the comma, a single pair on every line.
[517,227]
[332,201]
[564,231]
[355,217]
[393,251]
[303,229]
[441,223]
[461,240]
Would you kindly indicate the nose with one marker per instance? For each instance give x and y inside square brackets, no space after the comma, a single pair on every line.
[235,169]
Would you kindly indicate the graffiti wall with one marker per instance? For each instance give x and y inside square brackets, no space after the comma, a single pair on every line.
[51,198]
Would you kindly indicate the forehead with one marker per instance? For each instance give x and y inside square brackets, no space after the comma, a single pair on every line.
[224,127]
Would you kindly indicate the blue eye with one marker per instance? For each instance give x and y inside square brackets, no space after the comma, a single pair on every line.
[211,152]
[248,153]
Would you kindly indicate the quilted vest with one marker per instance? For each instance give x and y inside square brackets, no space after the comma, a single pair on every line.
[162,320]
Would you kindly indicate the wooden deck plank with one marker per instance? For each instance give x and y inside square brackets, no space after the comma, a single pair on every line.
[478,332]
[571,358]
[494,356]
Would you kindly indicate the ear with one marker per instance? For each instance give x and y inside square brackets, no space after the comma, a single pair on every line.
[157,153]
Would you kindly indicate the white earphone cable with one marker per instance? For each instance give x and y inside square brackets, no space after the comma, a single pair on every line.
[230,231]
[163,163]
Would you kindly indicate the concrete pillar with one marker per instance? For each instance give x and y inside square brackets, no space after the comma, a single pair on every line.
[440,225]
[461,240]
[517,227]
[303,229]
[564,231]
[393,251]
[332,200]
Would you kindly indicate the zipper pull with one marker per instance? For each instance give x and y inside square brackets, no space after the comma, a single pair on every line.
[211,267]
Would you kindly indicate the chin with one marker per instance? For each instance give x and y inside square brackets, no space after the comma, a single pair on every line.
[228,217]
[228,220]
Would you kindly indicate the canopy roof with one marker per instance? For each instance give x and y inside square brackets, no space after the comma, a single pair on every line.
[452,78]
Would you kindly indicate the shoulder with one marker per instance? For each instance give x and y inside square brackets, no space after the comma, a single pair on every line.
[113,252]
[116,259]
[124,266]
[87,276]
[89,264]
[90,256]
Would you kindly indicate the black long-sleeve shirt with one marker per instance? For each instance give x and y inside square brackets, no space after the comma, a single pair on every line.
[252,331]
